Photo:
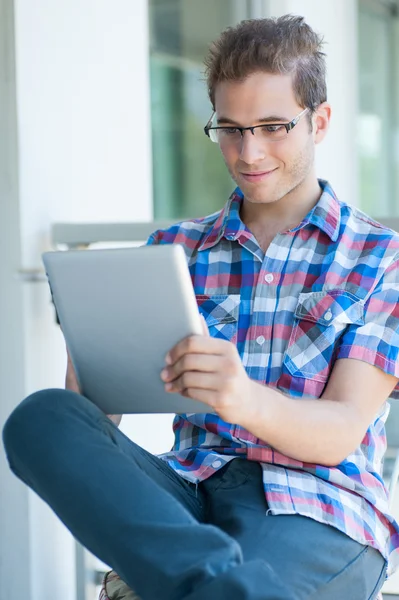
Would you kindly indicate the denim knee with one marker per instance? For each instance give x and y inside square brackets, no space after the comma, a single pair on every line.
[32,417]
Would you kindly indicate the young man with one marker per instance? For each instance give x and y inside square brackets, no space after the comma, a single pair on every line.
[279,494]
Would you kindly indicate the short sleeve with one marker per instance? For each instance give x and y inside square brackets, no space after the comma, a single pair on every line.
[153,239]
[376,340]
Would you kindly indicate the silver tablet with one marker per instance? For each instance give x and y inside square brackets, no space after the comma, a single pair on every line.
[121,310]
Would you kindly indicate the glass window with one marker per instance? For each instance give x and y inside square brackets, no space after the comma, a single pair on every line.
[189,175]
[377,127]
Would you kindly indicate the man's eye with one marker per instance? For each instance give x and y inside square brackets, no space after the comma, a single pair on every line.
[229,130]
[272,128]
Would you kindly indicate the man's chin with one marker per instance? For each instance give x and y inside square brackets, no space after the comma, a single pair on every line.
[262,195]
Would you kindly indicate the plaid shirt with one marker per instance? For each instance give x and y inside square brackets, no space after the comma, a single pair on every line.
[327,289]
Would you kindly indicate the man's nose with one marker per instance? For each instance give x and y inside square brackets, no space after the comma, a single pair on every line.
[252,149]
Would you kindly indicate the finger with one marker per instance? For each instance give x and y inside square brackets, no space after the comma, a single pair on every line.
[205,363]
[196,344]
[206,396]
[194,379]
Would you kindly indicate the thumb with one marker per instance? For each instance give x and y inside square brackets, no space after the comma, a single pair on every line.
[205,329]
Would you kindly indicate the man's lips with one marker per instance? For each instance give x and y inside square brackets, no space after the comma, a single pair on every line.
[255,176]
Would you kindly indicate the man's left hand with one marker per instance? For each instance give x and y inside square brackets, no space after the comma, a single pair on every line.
[210,370]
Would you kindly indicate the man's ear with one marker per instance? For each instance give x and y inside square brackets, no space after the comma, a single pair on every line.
[321,122]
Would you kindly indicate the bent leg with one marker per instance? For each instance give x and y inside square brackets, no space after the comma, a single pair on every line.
[132,511]
[123,504]
[312,560]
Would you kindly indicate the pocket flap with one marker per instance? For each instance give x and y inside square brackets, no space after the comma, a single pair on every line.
[333,306]
[219,309]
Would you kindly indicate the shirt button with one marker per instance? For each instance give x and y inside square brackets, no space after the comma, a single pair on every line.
[260,340]
[269,278]
[216,464]
[328,315]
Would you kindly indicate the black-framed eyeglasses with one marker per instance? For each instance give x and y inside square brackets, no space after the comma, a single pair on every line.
[270,132]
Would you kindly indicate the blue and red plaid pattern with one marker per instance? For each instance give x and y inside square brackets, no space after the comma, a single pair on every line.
[326,289]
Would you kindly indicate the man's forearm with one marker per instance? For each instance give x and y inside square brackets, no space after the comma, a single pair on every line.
[71,383]
[314,431]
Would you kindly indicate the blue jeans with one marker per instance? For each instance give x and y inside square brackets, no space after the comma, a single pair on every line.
[167,539]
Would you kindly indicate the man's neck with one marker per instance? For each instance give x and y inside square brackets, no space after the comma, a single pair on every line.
[266,220]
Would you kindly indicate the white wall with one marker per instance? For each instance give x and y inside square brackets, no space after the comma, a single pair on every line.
[84,155]
[337,21]
[83,106]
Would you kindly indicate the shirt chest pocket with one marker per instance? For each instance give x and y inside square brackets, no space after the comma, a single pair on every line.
[320,319]
[221,314]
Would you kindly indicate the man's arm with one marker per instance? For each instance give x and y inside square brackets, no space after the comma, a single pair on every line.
[322,431]
[71,383]
[327,430]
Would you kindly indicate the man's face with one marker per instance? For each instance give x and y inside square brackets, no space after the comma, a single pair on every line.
[265,170]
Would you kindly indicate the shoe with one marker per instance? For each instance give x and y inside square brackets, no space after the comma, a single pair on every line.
[116,589]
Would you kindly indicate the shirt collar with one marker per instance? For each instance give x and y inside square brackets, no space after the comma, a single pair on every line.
[228,224]
[326,215]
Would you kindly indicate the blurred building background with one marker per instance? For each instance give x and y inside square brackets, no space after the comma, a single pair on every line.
[102,108]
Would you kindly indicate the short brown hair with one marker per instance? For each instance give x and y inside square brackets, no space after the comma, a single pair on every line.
[276,45]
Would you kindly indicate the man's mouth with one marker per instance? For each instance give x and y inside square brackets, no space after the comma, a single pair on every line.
[256,176]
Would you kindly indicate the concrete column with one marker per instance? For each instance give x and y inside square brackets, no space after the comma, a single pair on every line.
[15,567]
[75,145]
